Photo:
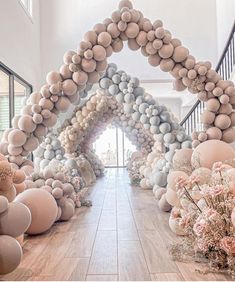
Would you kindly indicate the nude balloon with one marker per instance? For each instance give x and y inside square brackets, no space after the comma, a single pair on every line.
[15,220]
[211,151]
[11,254]
[43,209]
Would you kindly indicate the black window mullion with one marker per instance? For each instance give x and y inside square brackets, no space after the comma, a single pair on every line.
[123,149]
[11,99]
[117,147]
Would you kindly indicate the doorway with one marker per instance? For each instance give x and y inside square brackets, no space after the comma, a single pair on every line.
[113,148]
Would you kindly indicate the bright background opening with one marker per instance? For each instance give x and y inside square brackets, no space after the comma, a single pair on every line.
[113,147]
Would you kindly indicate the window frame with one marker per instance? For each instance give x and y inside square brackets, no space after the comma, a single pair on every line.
[27,9]
[12,76]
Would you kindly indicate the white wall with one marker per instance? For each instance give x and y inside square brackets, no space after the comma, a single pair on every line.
[225,21]
[20,40]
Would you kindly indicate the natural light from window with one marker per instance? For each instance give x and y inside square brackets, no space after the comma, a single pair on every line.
[113,147]
[27,4]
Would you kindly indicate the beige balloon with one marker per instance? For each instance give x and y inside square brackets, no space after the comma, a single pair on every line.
[172,198]
[211,151]
[67,211]
[3,204]
[10,254]
[43,209]
[15,220]
[10,194]
[20,188]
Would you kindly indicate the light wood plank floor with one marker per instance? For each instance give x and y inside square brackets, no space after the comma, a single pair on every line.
[123,236]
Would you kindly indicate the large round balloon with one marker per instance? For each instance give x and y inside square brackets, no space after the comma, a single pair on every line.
[203,174]
[173,177]
[172,198]
[211,151]
[10,254]
[3,204]
[15,220]
[43,208]
[174,224]
[67,211]
[9,194]
[182,159]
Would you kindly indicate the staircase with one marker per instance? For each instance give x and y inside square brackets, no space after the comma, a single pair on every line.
[225,68]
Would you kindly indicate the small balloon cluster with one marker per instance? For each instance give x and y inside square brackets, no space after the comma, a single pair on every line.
[50,150]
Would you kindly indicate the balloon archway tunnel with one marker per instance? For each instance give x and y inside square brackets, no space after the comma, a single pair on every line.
[121,100]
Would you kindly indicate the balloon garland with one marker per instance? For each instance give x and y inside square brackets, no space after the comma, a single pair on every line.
[86,66]
[74,79]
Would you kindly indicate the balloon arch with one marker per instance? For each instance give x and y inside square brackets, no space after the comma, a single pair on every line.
[121,100]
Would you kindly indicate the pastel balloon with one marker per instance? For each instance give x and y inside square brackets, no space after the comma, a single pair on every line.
[15,220]
[43,209]
[3,204]
[211,151]
[11,254]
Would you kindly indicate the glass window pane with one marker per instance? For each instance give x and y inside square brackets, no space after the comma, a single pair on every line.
[106,147]
[20,93]
[120,147]
[24,3]
[129,148]
[111,142]
[28,6]
[4,102]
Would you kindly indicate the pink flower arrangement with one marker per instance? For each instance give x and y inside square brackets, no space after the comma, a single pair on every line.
[218,167]
[228,245]
[210,227]
[213,191]
[199,228]
[181,182]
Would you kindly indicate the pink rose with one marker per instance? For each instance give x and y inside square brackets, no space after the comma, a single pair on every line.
[217,190]
[218,166]
[202,245]
[175,214]
[228,245]
[193,179]
[181,182]
[213,191]
[232,190]
[199,228]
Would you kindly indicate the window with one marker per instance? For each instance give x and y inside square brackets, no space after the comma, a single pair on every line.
[21,92]
[113,147]
[13,92]
[27,5]
[4,102]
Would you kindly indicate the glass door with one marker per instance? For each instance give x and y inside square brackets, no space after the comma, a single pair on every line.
[113,147]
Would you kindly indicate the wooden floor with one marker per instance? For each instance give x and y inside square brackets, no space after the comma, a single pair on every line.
[123,236]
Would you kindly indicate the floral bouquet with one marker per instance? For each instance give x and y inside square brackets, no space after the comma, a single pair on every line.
[207,220]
